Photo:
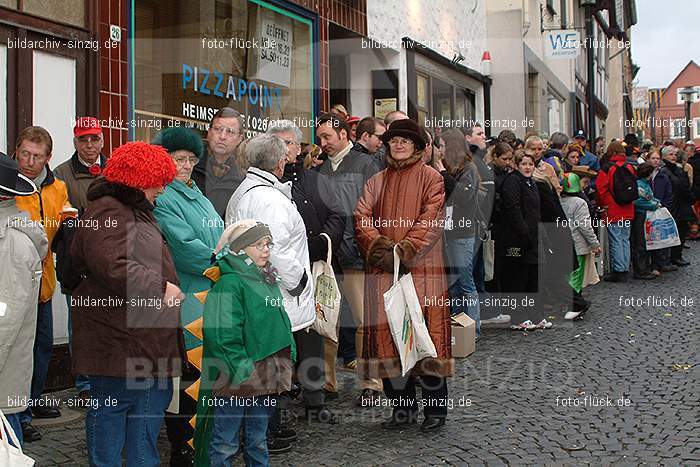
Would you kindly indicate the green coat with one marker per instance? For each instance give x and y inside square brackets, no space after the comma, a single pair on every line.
[192,228]
[244,322]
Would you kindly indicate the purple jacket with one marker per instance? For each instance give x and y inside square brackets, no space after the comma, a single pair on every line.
[662,188]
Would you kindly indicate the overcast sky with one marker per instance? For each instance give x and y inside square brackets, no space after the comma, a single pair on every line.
[664,39]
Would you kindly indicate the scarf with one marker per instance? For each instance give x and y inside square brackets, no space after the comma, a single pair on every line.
[338,158]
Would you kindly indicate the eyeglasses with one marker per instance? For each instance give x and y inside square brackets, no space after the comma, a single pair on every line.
[262,246]
[182,160]
[218,129]
[400,142]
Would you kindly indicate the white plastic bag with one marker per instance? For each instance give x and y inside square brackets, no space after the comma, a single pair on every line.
[11,455]
[660,230]
[327,296]
[406,322]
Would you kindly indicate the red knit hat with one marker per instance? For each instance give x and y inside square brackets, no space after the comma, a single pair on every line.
[140,165]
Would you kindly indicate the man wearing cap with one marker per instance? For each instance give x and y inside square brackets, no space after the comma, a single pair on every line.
[78,172]
[85,164]
[23,245]
[50,206]
[588,157]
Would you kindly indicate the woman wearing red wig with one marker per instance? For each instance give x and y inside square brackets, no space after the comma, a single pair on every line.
[125,309]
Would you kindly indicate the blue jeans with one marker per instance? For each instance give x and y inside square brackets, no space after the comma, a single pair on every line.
[229,415]
[82,383]
[619,247]
[13,419]
[460,258]
[43,348]
[129,414]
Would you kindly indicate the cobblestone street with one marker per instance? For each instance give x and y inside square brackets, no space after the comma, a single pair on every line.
[535,398]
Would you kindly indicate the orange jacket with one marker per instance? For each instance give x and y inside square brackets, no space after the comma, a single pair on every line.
[46,207]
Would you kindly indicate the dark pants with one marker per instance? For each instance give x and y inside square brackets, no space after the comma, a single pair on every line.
[677,251]
[519,280]
[402,393]
[310,368]
[43,348]
[82,383]
[346,330]
[479,270]
[641,259]
[661,258]
[178,425]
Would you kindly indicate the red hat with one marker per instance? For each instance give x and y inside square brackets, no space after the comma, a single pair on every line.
[352,120]
[140,165]
[87,126]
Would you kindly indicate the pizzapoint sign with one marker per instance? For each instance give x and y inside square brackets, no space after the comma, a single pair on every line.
[207,82]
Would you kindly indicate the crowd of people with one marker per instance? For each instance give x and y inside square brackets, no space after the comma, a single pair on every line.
[188,266]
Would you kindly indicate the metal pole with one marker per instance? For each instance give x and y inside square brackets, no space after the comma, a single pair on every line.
[687,119]
[590,50]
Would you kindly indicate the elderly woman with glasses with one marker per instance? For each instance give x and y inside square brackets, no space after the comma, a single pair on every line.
[402,208]
[191,227]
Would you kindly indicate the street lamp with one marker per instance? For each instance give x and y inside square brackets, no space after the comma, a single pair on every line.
[590,6]
[689,94]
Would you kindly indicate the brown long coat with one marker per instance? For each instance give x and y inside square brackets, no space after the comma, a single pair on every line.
[121,328]
[403,204]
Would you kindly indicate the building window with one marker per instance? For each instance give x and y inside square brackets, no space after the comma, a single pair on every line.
[696,127]
[3,98]
[442,99]
[677,128]
[194,58]
[422,93]
[554,113]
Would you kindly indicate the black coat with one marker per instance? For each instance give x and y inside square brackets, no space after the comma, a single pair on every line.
[217,190]
[694,161]
[461,193]
[518,231]
[681,209]
[320,208]
[348,182]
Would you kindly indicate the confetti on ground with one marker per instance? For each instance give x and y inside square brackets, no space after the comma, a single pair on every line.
[681,366]
[577,335]
[668,314]
[628,317]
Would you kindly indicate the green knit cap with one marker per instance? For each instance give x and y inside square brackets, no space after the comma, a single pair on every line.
[572,183]
[177,138]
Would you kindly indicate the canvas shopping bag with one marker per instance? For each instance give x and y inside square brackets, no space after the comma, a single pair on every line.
[327,296]
[590,273]
[660,230]
[11,455]
[406,322]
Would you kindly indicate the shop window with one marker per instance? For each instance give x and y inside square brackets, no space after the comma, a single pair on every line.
[9,4]
[194,58]
[64,11]
[464,104]
[422,93]
[442,99]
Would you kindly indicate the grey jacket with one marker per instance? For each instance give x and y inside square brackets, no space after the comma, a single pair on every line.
[23,245]
[579,218]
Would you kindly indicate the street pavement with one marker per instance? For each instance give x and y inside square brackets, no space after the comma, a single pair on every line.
[618,388]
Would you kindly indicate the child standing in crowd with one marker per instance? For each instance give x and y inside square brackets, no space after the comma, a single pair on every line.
[248,349]
[519,240]
[641,258]
[585,240]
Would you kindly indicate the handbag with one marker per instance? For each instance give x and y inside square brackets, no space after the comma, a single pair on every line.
[11,455]
[326,295]
[406,322]
[660,230]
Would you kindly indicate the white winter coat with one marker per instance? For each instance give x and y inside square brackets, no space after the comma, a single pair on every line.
[261,196]
[23,245]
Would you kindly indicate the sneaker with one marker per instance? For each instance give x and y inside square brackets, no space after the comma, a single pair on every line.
[544,324]
[524,326]
[496,321]
[573,315]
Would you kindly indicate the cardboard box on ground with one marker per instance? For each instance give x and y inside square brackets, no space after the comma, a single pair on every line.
[463,335]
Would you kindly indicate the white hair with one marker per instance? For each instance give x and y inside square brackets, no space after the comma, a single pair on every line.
[284,126]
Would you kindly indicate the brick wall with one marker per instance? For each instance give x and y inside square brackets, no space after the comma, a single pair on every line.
[113,73]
